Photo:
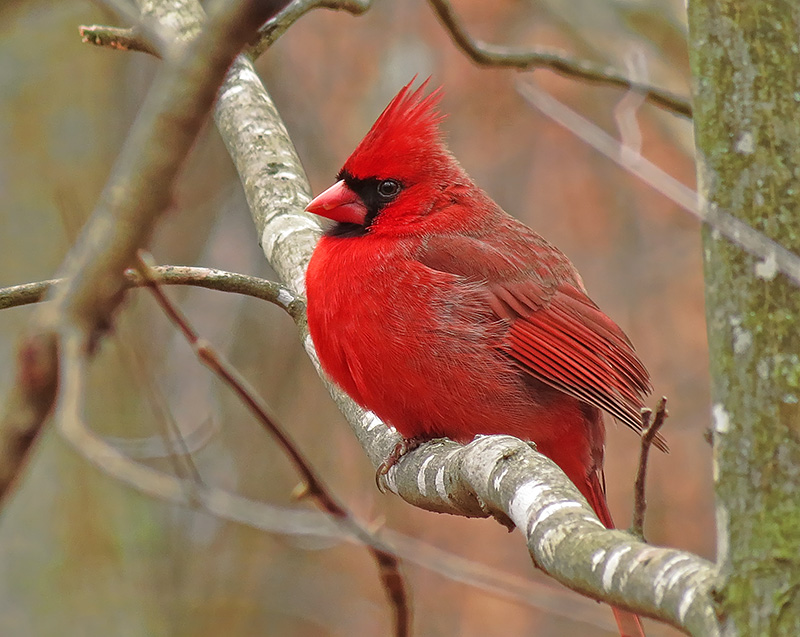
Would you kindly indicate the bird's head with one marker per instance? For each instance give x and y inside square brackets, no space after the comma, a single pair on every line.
[397,174]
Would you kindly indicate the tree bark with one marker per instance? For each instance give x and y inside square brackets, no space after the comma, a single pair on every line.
[747,124]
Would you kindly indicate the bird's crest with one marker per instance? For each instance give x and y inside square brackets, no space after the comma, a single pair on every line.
[405,133]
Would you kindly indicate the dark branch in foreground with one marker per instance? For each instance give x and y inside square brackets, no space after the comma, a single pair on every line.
[137,192]
[487,54]
[35,389]
[650,427]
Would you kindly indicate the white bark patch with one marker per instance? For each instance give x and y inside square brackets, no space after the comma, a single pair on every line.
[280,228]
[439,482]
[742,338]
[723,541]
[598,557]
[551,539]
[391,479]
[722,421]
[550,509]
[248,75]
[686,603]
[768,268]
[672,570]
[308,344]
[498,479]
[746,144]
[233,90]
[524,500]
[284,297]
[371,421]
[421,484]
[641,559]
[612,564]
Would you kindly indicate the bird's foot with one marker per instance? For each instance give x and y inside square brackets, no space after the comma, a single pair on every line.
[403,447]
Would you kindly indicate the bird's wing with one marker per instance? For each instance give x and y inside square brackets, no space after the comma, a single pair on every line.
[556,333]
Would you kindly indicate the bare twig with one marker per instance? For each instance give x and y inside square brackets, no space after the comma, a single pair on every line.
[314,487]
[775,257]
[487,54]
[131,40]
[276,27]
[116,38]
[650,426]
[209,278]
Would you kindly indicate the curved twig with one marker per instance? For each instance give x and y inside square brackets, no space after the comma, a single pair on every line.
[276,27]
[487,54]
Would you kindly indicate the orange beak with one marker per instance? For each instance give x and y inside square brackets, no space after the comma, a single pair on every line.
[340,204]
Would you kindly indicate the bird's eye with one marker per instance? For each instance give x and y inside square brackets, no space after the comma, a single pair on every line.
[388,188]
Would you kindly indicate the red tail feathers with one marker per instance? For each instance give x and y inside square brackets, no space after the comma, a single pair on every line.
[629,623]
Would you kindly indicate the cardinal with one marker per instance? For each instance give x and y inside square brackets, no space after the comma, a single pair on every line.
[446,317]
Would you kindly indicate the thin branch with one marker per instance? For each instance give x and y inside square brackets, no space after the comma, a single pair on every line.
[775,258]
[116,38]
[650,427]
[276,27]
[314,487]
[209,278]
[131,39]
[487,54]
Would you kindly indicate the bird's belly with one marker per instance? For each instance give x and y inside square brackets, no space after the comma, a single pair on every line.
[430,377]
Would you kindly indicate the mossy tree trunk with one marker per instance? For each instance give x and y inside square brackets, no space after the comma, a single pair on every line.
[746,65]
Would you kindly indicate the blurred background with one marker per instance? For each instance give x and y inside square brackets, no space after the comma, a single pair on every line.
[81,554]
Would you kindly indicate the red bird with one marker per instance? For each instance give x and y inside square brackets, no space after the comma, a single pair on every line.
[446,317]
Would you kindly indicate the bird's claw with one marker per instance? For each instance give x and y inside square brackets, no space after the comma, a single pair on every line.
[403,447]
